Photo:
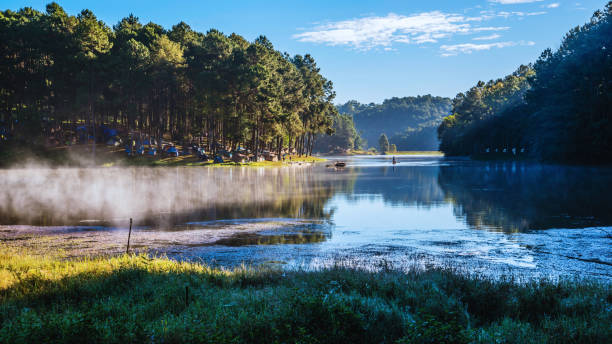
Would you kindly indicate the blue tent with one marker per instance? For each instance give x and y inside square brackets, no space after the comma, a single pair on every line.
[108,132]
[173,151]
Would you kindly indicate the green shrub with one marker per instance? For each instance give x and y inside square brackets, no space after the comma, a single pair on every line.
[138,299]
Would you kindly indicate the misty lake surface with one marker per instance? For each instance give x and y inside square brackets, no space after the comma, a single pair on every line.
[492,218]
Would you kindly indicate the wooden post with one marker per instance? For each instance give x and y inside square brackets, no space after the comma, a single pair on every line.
[129,235]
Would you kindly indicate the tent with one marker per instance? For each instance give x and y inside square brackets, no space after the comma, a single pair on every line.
[173,151]
[109,132]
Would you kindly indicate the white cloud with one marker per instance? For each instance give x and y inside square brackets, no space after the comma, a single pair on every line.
[553,5]
[375,31]
[512,2]
[496,28]
[468,48]
[365,33]
[487,38]
[519,14]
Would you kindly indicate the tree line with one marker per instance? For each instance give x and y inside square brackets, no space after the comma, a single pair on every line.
[409,122]
[62,71]
[345,136]
[556,109]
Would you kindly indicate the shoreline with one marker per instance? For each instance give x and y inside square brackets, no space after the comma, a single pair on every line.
[137,297]
[360,152]
[107,238]
[81,156]
[398,153]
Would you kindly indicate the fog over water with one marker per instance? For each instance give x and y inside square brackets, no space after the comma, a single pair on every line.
[492,218]
[75,195]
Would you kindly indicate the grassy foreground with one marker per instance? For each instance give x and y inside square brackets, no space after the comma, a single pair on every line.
[136,299]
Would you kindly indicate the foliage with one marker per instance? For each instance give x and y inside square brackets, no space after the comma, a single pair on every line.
[557,109]
[345,136]
[422,138]
[409,121]
[142,300]
[383,143]
[60,72]
[468,128]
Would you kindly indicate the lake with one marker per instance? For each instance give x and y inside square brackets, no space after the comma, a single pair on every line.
[517,219]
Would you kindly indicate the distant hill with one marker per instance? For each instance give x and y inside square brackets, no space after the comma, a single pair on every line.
[409,122]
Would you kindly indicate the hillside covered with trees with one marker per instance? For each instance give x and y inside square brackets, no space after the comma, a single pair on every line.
[344,137]
[409,122]
[557,109]
[62,72]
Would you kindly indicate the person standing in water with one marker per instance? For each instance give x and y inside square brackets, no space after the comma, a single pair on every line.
[394,161]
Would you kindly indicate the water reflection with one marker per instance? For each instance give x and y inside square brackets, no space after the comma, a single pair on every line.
[518,197]
[481,214]
[162,198]
[240,239]
[399,185]
[501,196]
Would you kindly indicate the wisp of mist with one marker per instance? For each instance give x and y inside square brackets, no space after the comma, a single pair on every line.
[115,194]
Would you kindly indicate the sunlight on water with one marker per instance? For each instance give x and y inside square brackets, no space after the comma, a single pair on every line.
[491,218]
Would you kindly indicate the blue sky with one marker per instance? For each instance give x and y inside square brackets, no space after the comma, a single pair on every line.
[373,50]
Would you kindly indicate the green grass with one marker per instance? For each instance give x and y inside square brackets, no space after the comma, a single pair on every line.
[137,299]
[362,152]
[295,159]
[189,160]
[148,161]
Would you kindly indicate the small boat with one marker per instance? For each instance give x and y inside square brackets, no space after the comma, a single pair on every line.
[340,164]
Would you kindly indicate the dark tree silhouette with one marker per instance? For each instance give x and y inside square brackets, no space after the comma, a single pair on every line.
[558,109]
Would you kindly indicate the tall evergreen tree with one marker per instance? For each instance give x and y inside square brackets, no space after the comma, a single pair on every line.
[383,143]
[61,72]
